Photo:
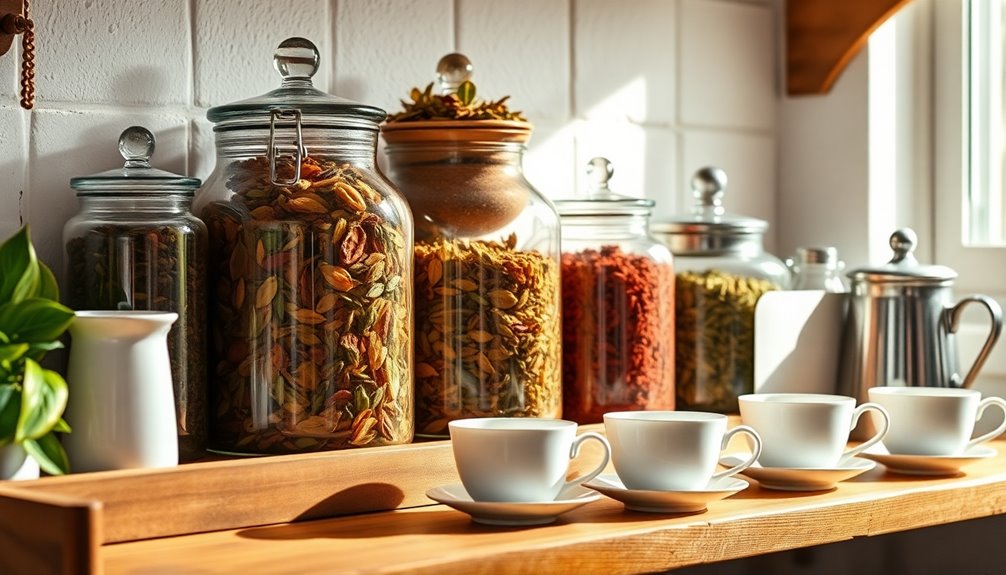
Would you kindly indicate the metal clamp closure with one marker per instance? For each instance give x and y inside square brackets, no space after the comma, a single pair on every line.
[299,151]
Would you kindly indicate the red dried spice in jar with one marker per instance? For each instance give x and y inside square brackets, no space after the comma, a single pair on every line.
[617,305]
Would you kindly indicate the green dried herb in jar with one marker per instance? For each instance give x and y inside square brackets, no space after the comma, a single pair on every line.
[722,270]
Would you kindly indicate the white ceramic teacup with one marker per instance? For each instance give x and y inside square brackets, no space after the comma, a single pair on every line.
[934,420]
[515,459]
[671,450]
[807,430]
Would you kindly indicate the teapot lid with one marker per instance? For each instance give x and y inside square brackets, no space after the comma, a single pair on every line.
[903,267]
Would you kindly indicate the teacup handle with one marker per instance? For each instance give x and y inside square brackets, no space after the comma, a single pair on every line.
[755,451]
[574,450]
[1001,404]
[885,422]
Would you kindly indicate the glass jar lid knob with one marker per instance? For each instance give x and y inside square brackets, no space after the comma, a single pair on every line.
[452,70]
[709,184]
[136,144]
[296,59]
[599,171]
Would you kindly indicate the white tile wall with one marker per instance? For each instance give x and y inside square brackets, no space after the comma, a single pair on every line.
[624,60]
[108,51]
[235,41]
[383,48]
[630,80]
[519,47]
[727,74]
[12,172]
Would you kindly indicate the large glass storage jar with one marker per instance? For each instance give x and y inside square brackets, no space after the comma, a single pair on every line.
[617,304]
[721,270]
[311,273]
[486,270]
[135,245]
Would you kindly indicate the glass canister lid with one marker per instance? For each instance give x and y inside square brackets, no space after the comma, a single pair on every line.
[904,268]
[297,60]
[599,199]
[136,144]
[708,216]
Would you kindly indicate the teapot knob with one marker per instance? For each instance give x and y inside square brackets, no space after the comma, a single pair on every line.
[903,242]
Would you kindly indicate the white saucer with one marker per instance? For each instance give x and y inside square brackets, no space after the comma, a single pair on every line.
[799,478]
[666,501]
[512,514]
[928,464]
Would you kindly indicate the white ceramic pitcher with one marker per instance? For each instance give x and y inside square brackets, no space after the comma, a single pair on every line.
[121,405]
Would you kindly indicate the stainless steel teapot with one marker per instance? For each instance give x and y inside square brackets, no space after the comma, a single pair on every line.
[901,325]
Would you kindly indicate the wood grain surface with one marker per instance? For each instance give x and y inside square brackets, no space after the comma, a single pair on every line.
[599,537]
[822,36]
[48,534]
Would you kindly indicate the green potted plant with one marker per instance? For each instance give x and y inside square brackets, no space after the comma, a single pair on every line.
[32,398]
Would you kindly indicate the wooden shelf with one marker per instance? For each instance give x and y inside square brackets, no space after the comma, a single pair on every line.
[599,537]
[822,36]
[289,514]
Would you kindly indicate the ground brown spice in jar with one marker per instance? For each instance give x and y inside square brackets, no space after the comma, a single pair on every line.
[487,333]
[310,320]
[617,333]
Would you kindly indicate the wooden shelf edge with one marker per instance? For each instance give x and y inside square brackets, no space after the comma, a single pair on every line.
[822,36]
[44,533]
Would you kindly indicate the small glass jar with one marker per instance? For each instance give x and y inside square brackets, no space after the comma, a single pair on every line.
[817,268]
[135,245]
[487,268]
[617,305]
[721,270]
[311,286]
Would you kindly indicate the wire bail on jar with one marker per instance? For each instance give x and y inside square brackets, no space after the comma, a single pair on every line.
[296,60]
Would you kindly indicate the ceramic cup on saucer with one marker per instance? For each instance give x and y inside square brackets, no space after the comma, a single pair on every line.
[807,430]
[934,421]
[511,459]
[672,450]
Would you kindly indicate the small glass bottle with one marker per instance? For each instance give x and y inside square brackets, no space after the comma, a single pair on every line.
[487,267]
[311,286]
[135,245]
[617,304]
[817,268]
[721,271]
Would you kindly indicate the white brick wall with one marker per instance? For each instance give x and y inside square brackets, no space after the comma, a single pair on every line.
[659,86]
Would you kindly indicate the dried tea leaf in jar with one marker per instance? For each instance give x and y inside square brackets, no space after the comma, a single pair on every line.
[617,305]
[722,270]
[312,274]
[135,245]
[486,257]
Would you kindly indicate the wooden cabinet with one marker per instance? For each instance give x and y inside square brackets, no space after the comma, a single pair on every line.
[822,36]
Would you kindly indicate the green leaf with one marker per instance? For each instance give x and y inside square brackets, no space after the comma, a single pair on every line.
[47,286]
[46,407]
[34,320]
[31,398]
[62,426]
[49,454]
[10,409]
[466,92]
[19,268]
[13,352]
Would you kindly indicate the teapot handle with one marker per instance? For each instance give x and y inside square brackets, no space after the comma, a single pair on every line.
[996,314]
